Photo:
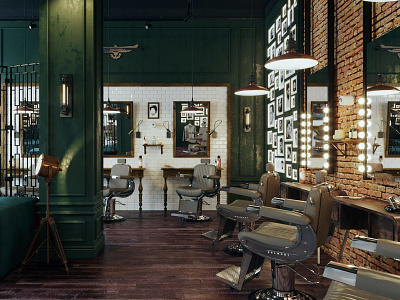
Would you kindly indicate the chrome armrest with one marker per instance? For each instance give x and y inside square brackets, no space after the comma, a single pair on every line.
[214,177]
[284,215]
[127,177]
[340,272]
[245,192]
[289,203]
[383,247]
[253,208]
[185,175]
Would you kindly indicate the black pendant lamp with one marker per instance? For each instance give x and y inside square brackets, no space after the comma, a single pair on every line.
[381,89]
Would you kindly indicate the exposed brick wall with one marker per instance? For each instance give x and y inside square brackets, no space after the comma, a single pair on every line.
[349,80]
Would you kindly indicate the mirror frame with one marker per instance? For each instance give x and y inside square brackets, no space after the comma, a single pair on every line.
[175,112]
[130,104]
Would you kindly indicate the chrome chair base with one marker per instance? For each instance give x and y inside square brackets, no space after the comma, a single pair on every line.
[113,218]
[272,294]
[234,250]
[213,234]
[199,218]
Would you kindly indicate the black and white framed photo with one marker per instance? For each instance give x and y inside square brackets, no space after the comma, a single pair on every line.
[196,123]
[286,43]
[281,146]
[295,137]
[293,103]
[271,115]
[279,105]
[274,139]
[281,79]
[284,11]
[269,137]
[289,3]
[295,115]
[279,38]
[153,111]
[294,3]
[293,84]
[272,94]
[279,49]
[276,82]
[294,157]
[294,174]
[271,156]
[288,152]
[268,52]
[271,33]
[278,24]
[189,116]
[271,79]
[284,27]
[183,120]
[280,164]
[286,94]
[280,125]
[291,15]
[293,32]
[276,124]
[288,126]
[288,171]
[273,50]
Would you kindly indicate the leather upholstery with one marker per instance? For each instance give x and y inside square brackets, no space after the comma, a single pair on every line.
[116,170]
[388,248]
[341,291]
[203,183]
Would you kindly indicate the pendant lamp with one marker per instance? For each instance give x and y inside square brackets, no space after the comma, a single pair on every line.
[191,109]
[109,109]
[291,60]
[381,89]
[252,89]
[24,109]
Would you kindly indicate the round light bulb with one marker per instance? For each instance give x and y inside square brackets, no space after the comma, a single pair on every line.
[369,157]
[308,147]
[369,134]
[361,112]
[303,131]
[303,155]
[303,124]
[303,147]
[369,101]
[361,101]
[308,124]
[308,154]
[303,162]
[326,165]
[369,146]
[369,123]
[326,146]
[326,137]
[361,123]
[369,168]
[326,128]
[361,157]
[326,119]
[361,146]
[303,139]
[308,131]
[326,155]
[361,169]
[308,139]
[308,162]
[326,110]
[361,134]
[368,112]
[303,116]
[308,116]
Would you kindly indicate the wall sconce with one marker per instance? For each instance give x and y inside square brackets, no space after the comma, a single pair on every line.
[169,134]
[247,119]
[66,96]
[363,134]
[137,132]
[213,132]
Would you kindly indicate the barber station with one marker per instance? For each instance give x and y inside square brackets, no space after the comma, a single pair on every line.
[189,149]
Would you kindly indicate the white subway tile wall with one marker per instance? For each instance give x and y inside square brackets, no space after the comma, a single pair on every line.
[153,161]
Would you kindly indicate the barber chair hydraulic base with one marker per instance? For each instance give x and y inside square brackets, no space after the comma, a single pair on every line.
[191,210]
[234,249]
[109,211]
[225,230]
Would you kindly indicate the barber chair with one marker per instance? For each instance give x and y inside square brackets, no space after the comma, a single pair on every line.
[119,184]
[200,142]
[203,183]
[283,244]
[351,282]
[236,213]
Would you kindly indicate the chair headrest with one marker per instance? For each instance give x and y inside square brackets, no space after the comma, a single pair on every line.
[270,167]
[320,176]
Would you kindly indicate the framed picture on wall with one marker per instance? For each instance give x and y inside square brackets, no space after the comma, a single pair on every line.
[279,164]
[153,111]
[278,24]
[294,174]
[286,93]
[279,105]
[284,10]
[293,103]
[288,127]
[274,139]
[288,152]
[271,115]
[295,137]
[293,84]
[280,125]
[271,33]
[281,146]
[269,137]
[288,171]
[294,157]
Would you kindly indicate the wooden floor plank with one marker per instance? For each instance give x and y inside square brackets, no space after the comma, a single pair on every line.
[148,256]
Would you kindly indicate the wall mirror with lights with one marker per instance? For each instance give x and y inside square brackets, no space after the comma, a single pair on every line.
[191,130]
[317,125]
[383,125]
[116,126]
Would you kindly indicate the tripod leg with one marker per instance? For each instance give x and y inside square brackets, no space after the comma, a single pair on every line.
[57,246]
[35,237]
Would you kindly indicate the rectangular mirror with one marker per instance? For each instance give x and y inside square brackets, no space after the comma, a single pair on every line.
[191,131]
[116,140]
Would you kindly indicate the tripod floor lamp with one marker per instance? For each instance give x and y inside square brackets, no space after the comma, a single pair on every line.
[48,168]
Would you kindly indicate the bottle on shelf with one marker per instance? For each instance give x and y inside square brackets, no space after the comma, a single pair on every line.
[219,162]
[153,140]
[144,141]
[140,162]
[355,134]
[351,132]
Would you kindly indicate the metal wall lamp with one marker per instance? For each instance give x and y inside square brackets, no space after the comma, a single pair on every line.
[247,119]
[66,95]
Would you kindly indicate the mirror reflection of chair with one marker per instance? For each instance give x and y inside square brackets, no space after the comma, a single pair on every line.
[236,213]
[351,282]
[119,184]
[199,145]
[283,244]
[203,183]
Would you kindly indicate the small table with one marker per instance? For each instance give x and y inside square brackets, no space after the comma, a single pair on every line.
[172,173]
[138,173]
[156,145]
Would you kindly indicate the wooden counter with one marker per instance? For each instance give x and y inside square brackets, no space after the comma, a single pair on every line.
[295,190]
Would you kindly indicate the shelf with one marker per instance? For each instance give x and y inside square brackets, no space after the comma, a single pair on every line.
[347,143]
[157,145]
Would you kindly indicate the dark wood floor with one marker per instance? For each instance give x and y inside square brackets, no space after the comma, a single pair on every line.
[149,256]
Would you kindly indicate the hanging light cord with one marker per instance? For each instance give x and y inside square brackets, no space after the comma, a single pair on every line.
[192,54]
[252,38]
[108,59]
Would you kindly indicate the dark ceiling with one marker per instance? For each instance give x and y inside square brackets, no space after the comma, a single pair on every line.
[149,10]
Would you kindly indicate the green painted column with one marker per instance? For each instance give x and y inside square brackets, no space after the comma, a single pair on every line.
[71,42]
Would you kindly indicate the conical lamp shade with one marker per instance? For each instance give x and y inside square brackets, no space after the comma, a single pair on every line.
[109,109]
[381,89]
[252,89]
[191,109]
[291,61]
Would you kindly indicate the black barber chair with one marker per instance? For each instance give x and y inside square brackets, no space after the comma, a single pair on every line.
[231,214]
[203,183]
[283,244]
[119,184]
[351,282]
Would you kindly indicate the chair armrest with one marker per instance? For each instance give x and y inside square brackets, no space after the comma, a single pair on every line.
[184,175]
[252,186]
[340,272]
[379,246]
[244,192]
[378,282]
[127,177]
[289,203]
[284,215]
[214,177]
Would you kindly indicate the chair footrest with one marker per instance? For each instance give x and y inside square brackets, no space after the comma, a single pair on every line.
[212,235]
[230,275]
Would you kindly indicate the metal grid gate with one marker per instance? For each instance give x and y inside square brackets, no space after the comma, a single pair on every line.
[19,123]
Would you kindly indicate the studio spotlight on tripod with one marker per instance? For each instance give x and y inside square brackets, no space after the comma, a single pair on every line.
[48,168]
